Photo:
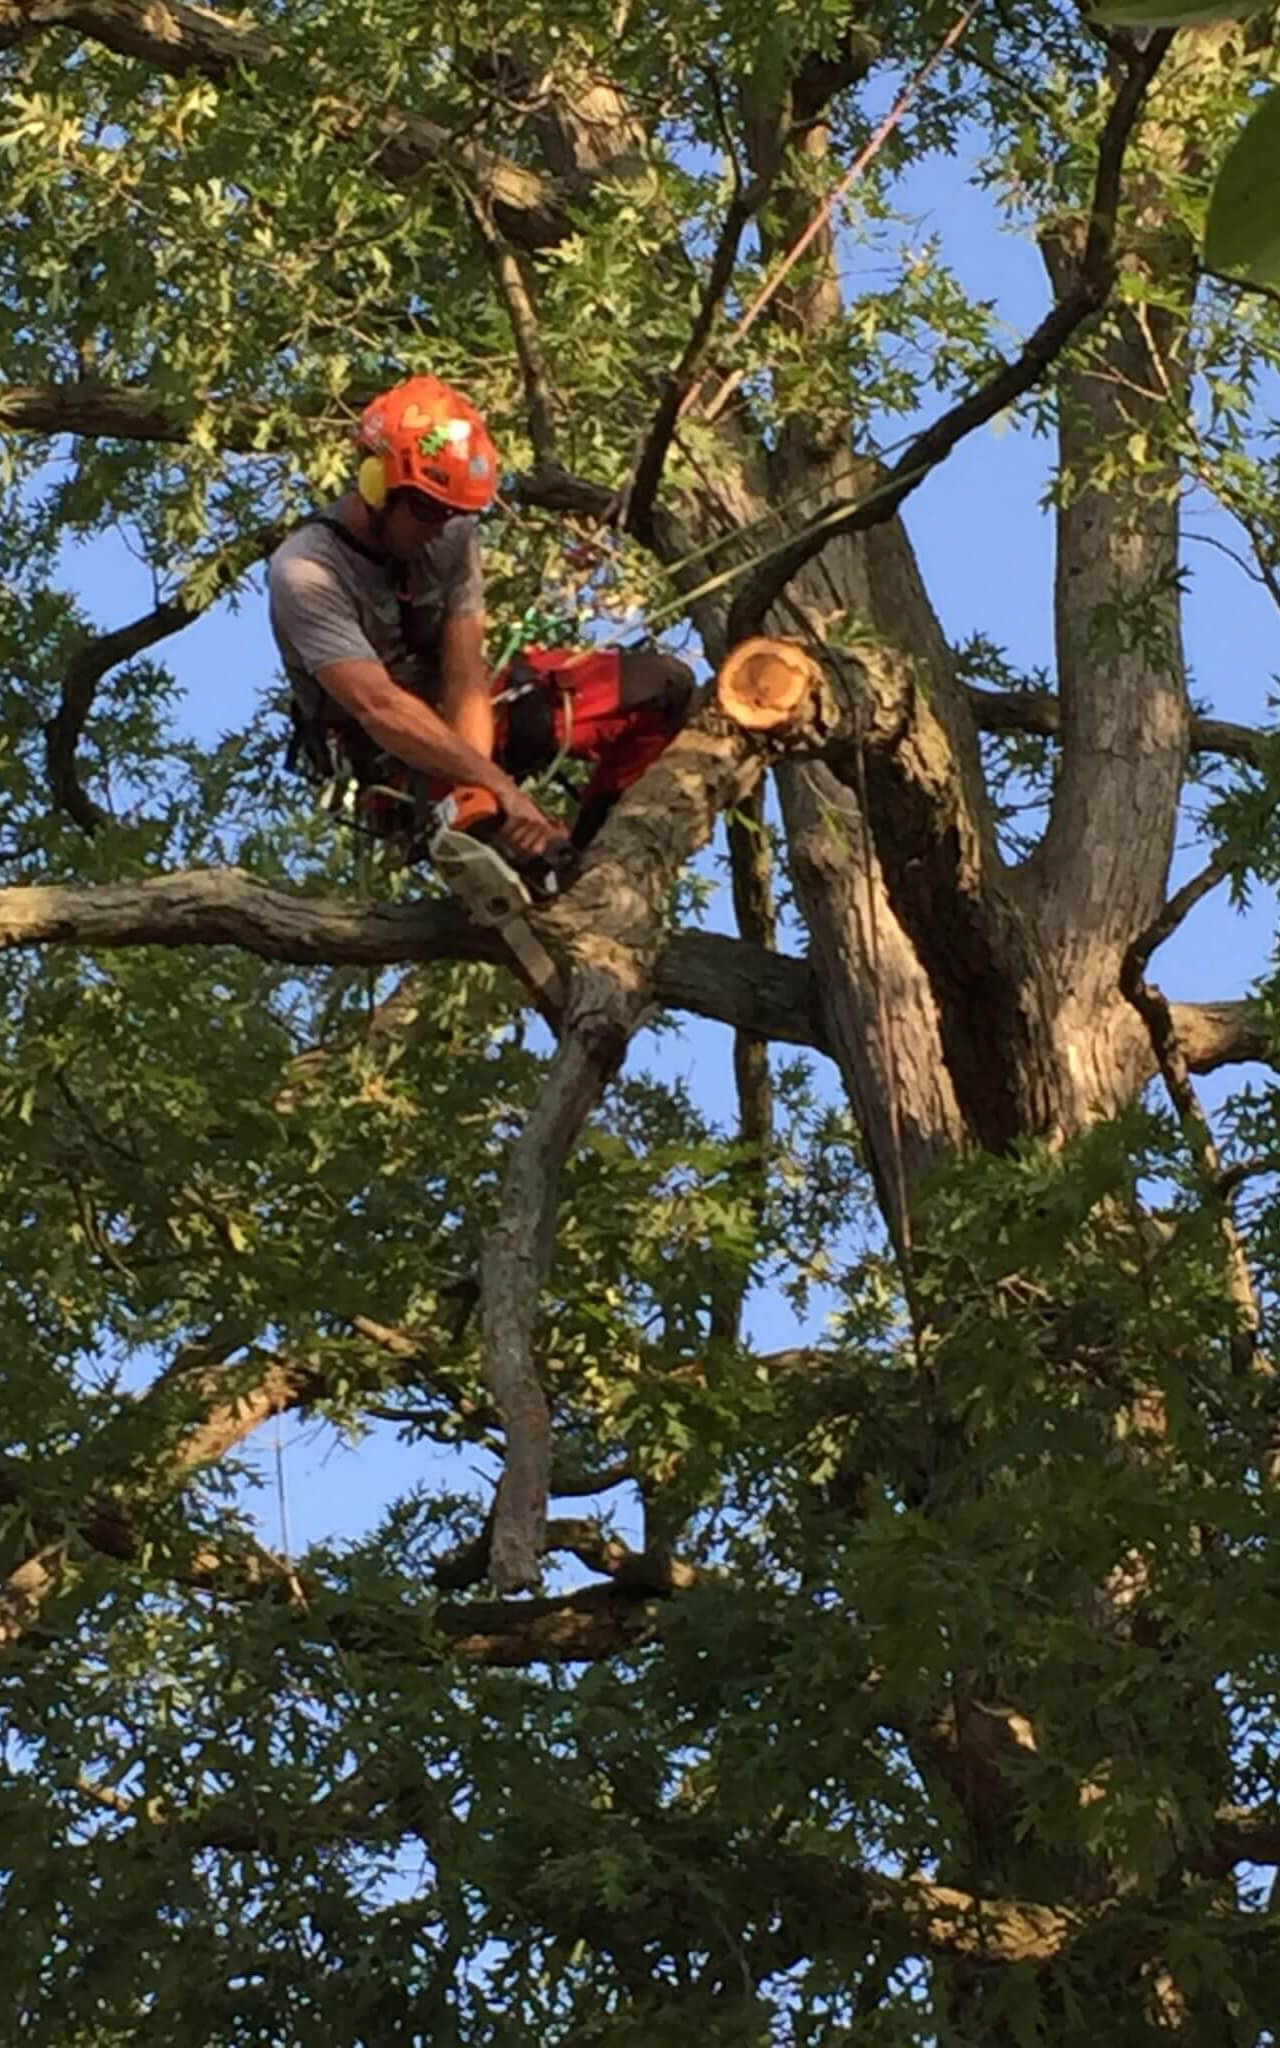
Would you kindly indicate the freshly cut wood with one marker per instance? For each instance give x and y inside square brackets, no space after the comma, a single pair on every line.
[766,684]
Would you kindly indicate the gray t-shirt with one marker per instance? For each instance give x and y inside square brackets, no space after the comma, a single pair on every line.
[329,602]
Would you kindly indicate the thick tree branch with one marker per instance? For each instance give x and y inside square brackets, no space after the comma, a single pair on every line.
[114,412]
[1013,379]
[706,973]
[609,932]
[177,39]
[1039,713]
[516,1262]
[1214,1035]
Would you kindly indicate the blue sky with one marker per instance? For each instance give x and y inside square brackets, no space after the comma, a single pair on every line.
[986,549]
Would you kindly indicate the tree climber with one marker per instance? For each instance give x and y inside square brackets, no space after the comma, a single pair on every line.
[377,606]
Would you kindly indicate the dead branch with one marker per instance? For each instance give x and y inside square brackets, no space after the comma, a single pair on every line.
[1011,381]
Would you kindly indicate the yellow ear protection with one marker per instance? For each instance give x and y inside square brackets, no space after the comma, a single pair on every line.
[371,482]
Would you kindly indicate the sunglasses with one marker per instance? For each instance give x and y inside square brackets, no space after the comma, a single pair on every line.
[427,511]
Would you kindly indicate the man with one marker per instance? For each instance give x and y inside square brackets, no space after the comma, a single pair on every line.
[377,606]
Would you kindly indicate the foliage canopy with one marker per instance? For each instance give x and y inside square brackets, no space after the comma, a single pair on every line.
[936,1698]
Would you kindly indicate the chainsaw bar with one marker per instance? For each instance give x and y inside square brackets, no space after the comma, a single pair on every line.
[494,894]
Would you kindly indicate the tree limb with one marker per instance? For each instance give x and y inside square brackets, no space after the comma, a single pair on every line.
[1175,911]
[646,475]
[516,1262]
[108,650]
[115,412]
[177,39]
[512,281]
[1011,381]
[707,973]
[84,673]
[608,933]
[1154,1008]
[1039,713]
[751,869]
[1242,1834]
[1214,1035]
[386,1798]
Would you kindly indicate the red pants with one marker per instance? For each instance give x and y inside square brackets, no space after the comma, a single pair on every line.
[616,710]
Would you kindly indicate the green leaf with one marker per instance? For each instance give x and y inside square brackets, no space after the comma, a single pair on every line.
[1172,13]
[1242,236]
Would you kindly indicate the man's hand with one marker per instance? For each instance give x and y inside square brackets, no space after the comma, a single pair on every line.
[525,828]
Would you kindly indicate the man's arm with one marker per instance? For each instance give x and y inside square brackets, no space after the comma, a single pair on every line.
[404,726]
[465,698]
[316,628]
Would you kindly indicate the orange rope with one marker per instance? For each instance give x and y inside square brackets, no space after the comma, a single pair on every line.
[865,156]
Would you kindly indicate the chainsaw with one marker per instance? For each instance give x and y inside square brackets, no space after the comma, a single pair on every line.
[496,893]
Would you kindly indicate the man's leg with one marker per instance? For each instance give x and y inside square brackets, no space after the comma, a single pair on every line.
[623,718]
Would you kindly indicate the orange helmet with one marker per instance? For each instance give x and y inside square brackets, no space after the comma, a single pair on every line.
[423,435]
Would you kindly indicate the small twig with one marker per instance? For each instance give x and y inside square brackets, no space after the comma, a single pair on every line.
[1209,540]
